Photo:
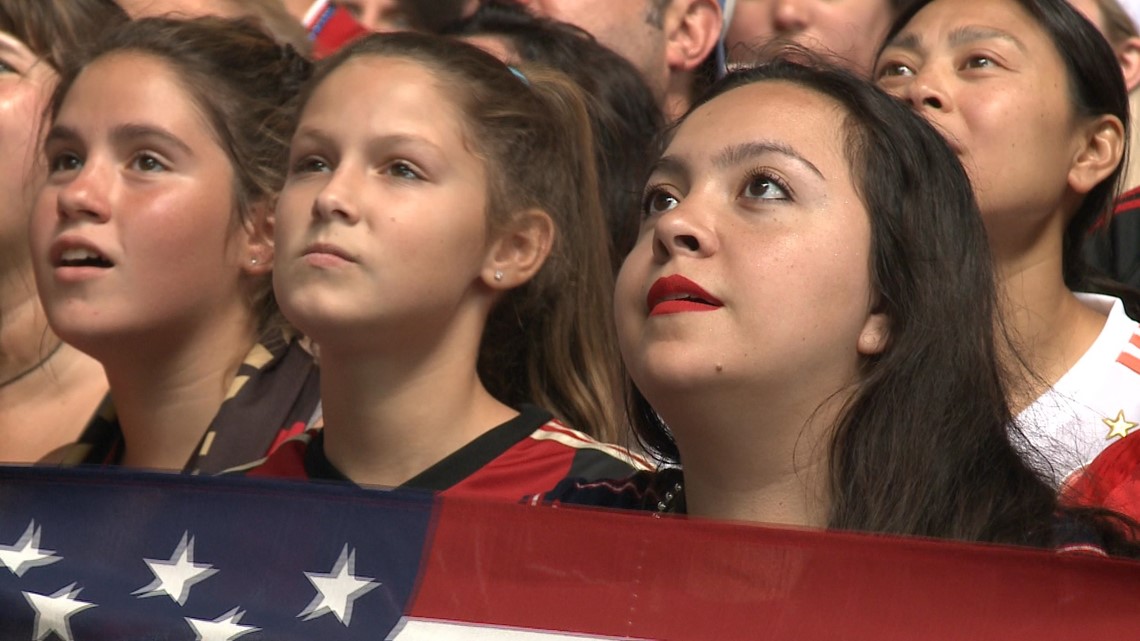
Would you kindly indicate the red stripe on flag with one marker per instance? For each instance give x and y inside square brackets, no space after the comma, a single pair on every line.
[632,575]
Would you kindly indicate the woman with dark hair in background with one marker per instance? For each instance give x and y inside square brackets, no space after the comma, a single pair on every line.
[48,389]
[623,113]
[152,242]
[808,321]
[1030,97]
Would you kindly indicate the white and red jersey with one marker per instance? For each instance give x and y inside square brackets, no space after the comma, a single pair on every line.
[1096,403]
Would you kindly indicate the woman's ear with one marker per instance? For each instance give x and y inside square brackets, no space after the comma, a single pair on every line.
[516,255]
[257,252]
[875,335]
[1100,150]
[1128,55]
[692,28]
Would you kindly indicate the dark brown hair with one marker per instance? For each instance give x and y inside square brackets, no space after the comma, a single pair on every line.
[55,29]
[550,341]
[624,114]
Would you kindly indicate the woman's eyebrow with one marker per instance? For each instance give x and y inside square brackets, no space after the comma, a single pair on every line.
[736,154]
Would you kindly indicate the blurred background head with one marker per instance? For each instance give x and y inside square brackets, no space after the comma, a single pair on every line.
[851,30]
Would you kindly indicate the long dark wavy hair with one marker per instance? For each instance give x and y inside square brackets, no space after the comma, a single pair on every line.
[923,446]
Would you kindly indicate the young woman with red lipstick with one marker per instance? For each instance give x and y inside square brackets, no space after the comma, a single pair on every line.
[440,238]
[151,246]
[808,322]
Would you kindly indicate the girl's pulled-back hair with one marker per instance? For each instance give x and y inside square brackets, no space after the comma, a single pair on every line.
[624,114]
[1096,88]
[54,29]
[244,83]
[550,341]
[922,447]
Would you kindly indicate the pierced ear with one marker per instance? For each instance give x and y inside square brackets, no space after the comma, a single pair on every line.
[1101,150]
[691,33]
[257,252]
[875,335]
[1128,55]
[517,254]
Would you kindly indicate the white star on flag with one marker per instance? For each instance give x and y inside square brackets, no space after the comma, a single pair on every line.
[26,553]
[223,628]
[53,613]
[337,590]
[175,577]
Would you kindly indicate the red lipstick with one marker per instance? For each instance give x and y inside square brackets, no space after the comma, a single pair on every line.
[675,294]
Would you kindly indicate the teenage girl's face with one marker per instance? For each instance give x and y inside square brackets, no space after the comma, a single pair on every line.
[25,84]
[135,231]
[851,29]
[990,79]
[381,226]
[751,274]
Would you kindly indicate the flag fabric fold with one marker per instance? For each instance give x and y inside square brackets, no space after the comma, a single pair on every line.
[92,555]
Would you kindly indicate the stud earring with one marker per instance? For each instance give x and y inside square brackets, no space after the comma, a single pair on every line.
[498,275]
[253,261]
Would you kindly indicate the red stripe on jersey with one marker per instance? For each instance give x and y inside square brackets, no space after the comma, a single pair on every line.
[1128,360]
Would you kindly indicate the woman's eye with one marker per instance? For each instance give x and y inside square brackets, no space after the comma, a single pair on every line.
[6,68]
[148,163]
[401,169]
[895,70]
[658,201]
[765,188]
[64,162]
[979,62]
[310,164]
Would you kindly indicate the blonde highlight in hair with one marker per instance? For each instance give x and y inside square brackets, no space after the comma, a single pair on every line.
[550,341]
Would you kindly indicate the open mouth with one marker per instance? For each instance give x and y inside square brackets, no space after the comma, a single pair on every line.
[82,257]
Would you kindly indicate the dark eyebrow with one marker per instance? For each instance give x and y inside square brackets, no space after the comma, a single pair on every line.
[315,135]
[908,41]
[670,165]
[129,132]
[61,133]
[968,34]
[389,140]
[122,133]
[737,154]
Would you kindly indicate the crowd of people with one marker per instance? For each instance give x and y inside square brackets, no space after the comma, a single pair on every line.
[862,265]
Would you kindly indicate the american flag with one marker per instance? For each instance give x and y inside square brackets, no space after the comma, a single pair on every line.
[92,555]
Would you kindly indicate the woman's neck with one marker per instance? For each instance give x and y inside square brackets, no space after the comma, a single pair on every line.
[25,337]
[390,414]
[759,460]
[48,390]
[1049,327]
[167,390]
